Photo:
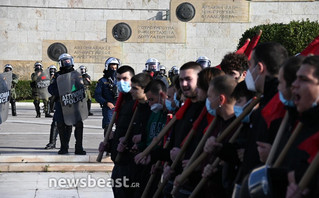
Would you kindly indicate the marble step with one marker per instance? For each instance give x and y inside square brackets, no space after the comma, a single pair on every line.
[56,167]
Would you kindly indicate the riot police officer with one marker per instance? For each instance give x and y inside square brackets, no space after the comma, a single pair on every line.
[13,94]
[106,90]
[52,70]
[66,66]
[203,61]
[87,83]
[172,73]
[152,66]
[38,92]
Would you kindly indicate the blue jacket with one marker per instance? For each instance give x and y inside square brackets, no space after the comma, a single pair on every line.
[105,91]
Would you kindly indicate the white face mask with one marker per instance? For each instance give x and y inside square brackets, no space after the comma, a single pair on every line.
[157,106]
[250,82]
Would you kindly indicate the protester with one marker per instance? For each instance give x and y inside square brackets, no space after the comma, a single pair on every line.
[235,65]
[122,169]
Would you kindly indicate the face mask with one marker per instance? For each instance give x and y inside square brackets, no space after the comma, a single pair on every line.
[168,105]
[210,110]
[288,103]
[123,86]
[175,100]
[314,104]
[157,106]
[239,110]
[249,80]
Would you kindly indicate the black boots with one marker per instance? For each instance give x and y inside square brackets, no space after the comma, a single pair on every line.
[65,134]
[89,107]
[14,108]
[37,108]
[78,134]
[53,136]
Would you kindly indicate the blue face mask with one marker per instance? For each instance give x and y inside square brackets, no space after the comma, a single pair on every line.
[239,110]
[210,110]
[288,103]
[123,86]
[168,105]
[175,100]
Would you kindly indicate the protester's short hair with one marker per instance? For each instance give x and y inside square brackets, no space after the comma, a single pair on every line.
[125,68]
[272,54]
[224,84]
[155,87]
[191,65]
[290,68]
[206,75]
[242,91]
[141,79]
[233,61]
[313,61]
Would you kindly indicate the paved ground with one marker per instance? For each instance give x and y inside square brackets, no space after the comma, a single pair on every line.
[27,135]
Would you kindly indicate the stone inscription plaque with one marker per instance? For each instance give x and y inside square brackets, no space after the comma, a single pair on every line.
[150,31]
[210,11]
[86,51]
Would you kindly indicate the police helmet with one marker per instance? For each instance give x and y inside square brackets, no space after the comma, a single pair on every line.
[66,60]
[162,69]
[38,66]
[8,67]
[173,71]
[203,61]
[110,61]
[82,69]
[152,64]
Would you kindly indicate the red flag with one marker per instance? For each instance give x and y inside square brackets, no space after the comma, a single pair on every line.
[119,102]
[311,146]
[273,110]
[243,48]
[252,45]
[179,114]
[312,48]
[168,118]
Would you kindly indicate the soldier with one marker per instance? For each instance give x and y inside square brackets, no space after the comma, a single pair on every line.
[40,82]
[13,96]
[87,83]
[106,90]
[65,115]
[203,61]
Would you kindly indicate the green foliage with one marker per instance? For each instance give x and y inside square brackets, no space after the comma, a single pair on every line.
[295,36]
[24,92]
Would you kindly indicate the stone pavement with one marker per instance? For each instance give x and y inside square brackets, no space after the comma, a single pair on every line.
[28,170]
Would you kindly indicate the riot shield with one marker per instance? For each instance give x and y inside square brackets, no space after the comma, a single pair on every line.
[72,97]
[43,82]
[5,87]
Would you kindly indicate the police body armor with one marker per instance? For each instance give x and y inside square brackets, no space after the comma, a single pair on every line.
[42,84]
[5,87]
[72,97]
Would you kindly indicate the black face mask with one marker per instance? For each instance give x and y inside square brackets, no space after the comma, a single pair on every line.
[65,70]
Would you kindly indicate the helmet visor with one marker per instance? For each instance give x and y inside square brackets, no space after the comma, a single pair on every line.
[66,63]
